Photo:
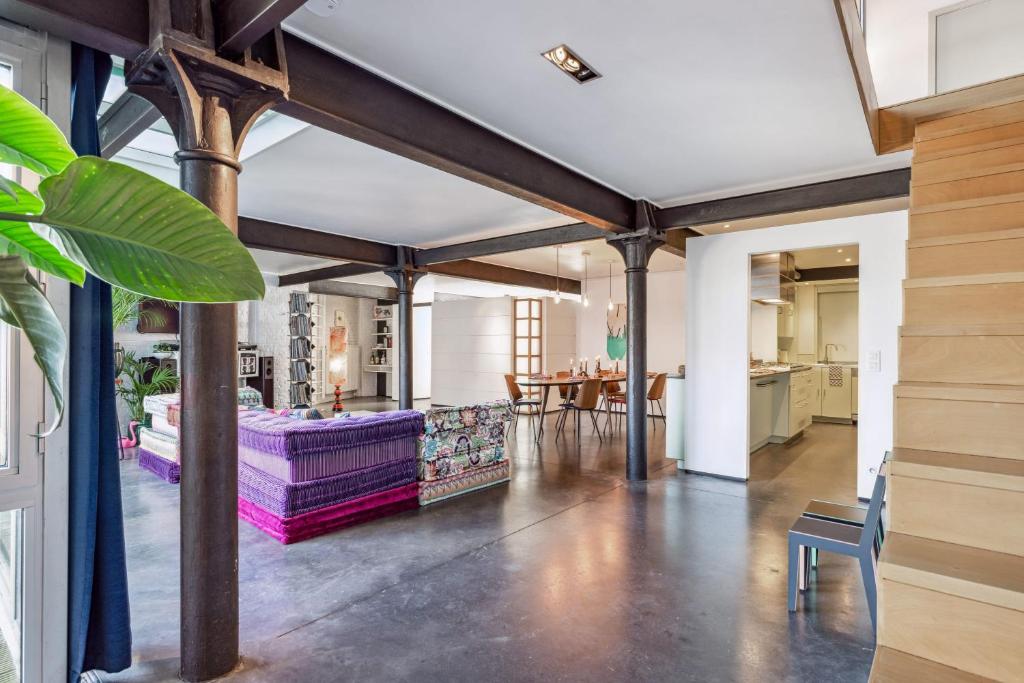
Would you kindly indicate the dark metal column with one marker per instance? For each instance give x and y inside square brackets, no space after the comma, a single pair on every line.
[405,280]
[209,436]
[636,249]
[210,104]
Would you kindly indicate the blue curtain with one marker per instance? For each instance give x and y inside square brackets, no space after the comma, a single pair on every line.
[99,630]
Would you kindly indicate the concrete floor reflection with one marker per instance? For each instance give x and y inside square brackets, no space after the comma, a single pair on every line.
[568,573]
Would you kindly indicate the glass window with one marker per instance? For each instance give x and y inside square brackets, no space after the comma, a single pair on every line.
[11,567]
[526,348]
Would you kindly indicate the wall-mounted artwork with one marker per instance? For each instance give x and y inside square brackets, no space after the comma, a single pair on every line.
[617,332]
[337,355]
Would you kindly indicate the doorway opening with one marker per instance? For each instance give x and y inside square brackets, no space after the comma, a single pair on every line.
[804,344]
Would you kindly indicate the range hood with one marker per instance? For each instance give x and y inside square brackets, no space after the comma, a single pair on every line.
[773,278]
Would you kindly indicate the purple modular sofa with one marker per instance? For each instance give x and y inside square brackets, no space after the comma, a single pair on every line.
[303,478]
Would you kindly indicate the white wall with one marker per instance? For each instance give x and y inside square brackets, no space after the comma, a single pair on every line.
[471,350]
[268,328]
[717,333]
[422,352]
[666,319]
[558,339]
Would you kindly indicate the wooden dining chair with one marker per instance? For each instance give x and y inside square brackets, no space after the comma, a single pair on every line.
[612,390]
[515,394]
[656,393]
[567,392]
[585,402]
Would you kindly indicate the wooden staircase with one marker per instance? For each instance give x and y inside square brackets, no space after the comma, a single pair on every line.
[951,594]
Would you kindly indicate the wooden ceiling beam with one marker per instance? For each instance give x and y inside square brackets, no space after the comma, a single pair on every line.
[840,192]
[504,275]
[533,239]
[126,118]
[267,235]
[828,273]
[328,273]
[240,23]
[330,92]
[339,96]
[353,289]
[113,26]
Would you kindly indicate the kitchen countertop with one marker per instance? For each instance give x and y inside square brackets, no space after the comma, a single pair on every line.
[772,370]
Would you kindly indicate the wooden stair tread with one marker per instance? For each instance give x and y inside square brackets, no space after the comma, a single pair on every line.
[967,203]
[995,137]
[959,468]
[893,666]
[996,393]
[963,280]
[966,238]
[963,330]
[1003,159]
[970,573]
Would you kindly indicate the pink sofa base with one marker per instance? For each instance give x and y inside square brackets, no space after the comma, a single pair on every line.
[328,519]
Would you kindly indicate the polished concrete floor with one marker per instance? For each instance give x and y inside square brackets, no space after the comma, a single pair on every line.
[569,573]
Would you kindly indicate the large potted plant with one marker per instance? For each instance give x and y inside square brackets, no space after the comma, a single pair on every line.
[138,378]
[93,215]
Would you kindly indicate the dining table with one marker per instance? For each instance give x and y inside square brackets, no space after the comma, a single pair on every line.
[545,382]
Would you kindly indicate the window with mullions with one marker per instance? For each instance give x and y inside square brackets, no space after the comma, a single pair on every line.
[527,321]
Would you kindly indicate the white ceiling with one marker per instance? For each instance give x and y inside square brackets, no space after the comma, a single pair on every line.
[572,264]
[696,99]
[324,181]
[826,257]
[277,263]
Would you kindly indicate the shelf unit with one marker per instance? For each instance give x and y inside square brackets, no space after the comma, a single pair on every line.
[301,370]
[383,334]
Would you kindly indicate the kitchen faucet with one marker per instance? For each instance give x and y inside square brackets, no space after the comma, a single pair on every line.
[828,357]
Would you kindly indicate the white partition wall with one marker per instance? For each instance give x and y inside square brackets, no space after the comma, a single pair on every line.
[471,350]
[666,319]
[718,335]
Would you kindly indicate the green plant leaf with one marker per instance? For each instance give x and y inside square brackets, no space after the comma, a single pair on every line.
[28,138]
[25,307]
[141,234]
[18,238]
[6,186]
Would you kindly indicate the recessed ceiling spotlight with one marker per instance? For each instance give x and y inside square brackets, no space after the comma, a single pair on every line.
[571,63]
[839,251]
[726,225]
[848,260]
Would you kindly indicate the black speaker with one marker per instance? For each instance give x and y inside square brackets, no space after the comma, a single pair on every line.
[267,367]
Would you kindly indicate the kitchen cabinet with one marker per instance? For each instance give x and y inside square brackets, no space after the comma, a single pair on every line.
[780,406]
[837,401]
[761,422]
[801,400]
[787,320]
[806,321]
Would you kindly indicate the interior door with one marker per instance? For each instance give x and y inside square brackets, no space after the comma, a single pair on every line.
[837,325]
[33,497]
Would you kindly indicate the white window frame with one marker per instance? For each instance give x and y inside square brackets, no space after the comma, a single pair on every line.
[39,484]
